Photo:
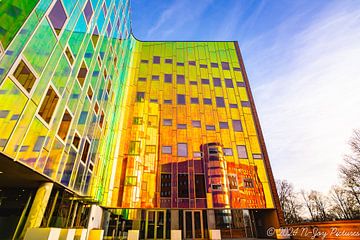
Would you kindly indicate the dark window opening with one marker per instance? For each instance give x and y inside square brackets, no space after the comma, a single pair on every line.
[48,105]
[183,185]
[165,190]
[64,125]
[24,76]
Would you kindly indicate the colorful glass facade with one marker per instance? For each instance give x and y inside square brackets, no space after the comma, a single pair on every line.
[125,123]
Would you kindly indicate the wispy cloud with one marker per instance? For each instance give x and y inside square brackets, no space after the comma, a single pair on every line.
[177,15]
[309,102]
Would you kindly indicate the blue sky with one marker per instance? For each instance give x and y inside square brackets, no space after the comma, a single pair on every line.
[303,62]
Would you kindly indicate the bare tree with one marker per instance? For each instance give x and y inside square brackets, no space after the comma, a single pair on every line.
[350,171]
[289,202]
[315,202]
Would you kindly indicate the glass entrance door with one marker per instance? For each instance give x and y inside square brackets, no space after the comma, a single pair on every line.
[155,227]
[193,225]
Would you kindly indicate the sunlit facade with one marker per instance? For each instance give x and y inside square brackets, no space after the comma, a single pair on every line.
[101,130]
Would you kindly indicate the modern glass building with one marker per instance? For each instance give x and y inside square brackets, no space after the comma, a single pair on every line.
[99,130]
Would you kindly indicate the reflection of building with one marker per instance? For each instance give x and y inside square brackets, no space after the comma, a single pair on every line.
[161,135]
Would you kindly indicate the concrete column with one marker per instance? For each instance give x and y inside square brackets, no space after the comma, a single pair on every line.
[211,219]
[38,206]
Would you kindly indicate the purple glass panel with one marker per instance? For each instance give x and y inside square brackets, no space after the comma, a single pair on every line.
[233,105]
[240,84]
[210,127]
[229,83]
[237,125]
[214,65]
[167,101]
[108,29]
[192,63]
[225,65]
[155,77]
[182,150]
[57,16]
[217,82]
[227,151]
[220,102]
[104,9]
[180,64]
[241,151]
[181,126]
[181,99]
[168,60]
[180,79]
[168,78]
[193,82]
[203,66]
[166,168]
[223,125]
[142,79]
[207,101]
[205,81]
[194,100]
[156,59]
[200,203]
[245,104]
[183,203]
[88,11]
[167,122]
[237,69]
[165,203]
[196,123]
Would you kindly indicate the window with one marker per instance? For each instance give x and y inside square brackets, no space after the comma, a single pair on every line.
[180,64]
[205,81]
[193,82]
[224,125]
[156,59]
[220,102]
[57,17]
[105,73]
[142,79]
[39,143]
[108,88]
[229,83]
[248,183]
[153,100]
[134,148]
[167,101]
[194,100]
[197,154]
[96,107]
[228,151]
[225,65]
[167,122]
[130,180]
[196,123]
[237,69]
[183,185]
[155,77]
[104,8]
[257,156]
[69,55]
[24,76]
[102,117]
[168,78]
[217,82]
[207,101]
[245,104]
[241,149]
[214,65]
[181,126]
[237,125]
[203,66]
[150,149]
[200,186]
[64,125]
[233,182]
[88,11]
[180,79]
[168,60]
[144,61]
[210,127]
[48,105]
[82,74]
[76,141]
[165,190]
[166,150]
[140,97]
[216,187]
[192,63]
[137,120]
[90,93]
[94,39]
[233,105]
[182,149]
[240,84]
[85,151]
[181,99]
